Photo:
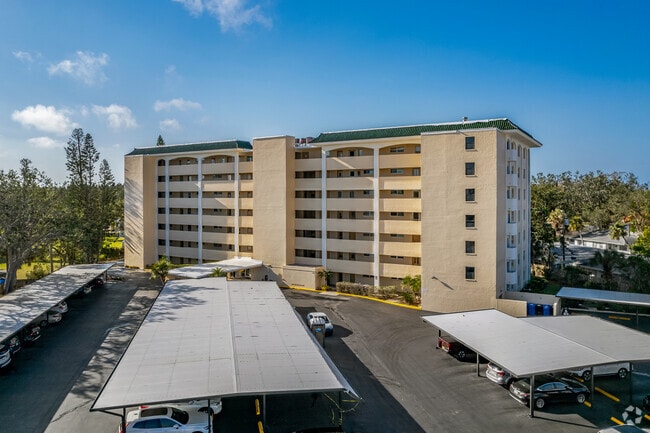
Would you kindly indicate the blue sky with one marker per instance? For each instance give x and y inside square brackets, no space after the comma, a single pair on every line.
[576,75]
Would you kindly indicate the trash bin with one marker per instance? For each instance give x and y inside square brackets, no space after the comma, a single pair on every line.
[539,309]
[531,309]
[547,309]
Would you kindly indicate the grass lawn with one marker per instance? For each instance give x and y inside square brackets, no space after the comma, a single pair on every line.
[25,268]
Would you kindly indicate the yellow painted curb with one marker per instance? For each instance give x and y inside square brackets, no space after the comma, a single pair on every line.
[260,427]
[587,403]
[257,406]
[619,317]
[370,298]
[606,394]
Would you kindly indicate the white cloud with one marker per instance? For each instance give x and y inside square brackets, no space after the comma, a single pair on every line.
[170,125]
[232,14]
[178,104]
[24,56]
[117,116]
[45,143]
[87,67]
[47,119]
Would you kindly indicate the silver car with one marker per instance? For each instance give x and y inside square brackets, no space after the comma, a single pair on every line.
[497,374]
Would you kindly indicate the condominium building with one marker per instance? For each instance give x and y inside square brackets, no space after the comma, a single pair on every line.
[447,201]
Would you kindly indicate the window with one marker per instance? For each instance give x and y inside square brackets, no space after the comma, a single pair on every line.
[416,172]
[469,143]
[470,221]
[416,216]
[396,171]
[161,163]
[511,241]
[470,273]
[396,150]
[417,149]
[511,266]
[397,214]
[469,169]
[396,192]
[470,247]
[369,172]
[416,193]
[470,194]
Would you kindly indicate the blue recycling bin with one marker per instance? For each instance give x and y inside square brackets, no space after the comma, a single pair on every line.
[530,309]
[547,309]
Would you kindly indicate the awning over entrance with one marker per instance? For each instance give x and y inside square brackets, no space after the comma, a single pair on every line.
[204,270]
[214,337]
[537,345]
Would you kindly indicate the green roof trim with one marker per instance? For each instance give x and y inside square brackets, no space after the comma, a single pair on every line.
[407,131]
[191,147]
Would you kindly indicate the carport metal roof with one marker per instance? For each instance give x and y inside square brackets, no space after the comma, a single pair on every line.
[217,338]
[204,270]
[24,305]
[532,346]
[639,299]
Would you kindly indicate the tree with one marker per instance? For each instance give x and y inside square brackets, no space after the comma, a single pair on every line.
[642,244]
[160,269]
[28,208]
[160,141]
[218,272]
[90,202]
[608,260]
[325,275]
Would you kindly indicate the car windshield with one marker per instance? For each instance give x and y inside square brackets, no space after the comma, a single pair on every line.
[180,415]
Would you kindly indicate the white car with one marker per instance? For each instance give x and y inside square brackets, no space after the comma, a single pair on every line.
[329,326]
[620,369]
[173,417]
[61,307]
[48,318]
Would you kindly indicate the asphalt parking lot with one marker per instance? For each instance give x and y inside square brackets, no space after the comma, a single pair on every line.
[387,353]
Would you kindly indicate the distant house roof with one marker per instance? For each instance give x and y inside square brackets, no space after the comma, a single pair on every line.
[406,131]
[191,147]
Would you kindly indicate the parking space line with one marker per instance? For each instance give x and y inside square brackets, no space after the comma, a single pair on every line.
[606,394]
[615,420]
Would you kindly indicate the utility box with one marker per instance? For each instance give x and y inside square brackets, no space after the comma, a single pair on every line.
[317,326]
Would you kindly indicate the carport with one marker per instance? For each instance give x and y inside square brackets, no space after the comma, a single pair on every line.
[606,296]
[21,307]
[211,338]
[536,345]
[205,269]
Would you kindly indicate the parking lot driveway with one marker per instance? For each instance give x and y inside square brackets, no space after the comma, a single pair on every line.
[394,350]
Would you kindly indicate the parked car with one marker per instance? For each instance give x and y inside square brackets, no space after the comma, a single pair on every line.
[549,389]
[174,417]
[84,290]
[48,318]
[454,348]
[497,374]
[61,307]
[329,326]
[5,356]
[620,369]
[30,333]
[13,343]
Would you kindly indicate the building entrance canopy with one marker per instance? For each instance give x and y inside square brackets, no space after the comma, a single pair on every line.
[214,337]
[537,345]
[204,270]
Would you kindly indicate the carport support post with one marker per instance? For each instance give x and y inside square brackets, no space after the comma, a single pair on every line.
[531,397]
[478,365]
[264,410]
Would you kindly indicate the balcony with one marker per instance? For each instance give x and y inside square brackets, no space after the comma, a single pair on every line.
[223,186]
[308,244]
[406,227]
[394,270]
[312,164]
[511,253]
[347,225]
[311,184]
[348,183]
[218,203]
[183,219]
[182,202]
[407,249]
[400,205]
[218,238]
[350,267]
[400,160]
[350,163]
[185,169]
[175,235]
[308,204]
[308,261]
[218,220]
[192,253]
[218,168]
[180,186]
[308,224]
[350,246]
[350,204]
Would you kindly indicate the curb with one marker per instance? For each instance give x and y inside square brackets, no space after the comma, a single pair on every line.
[370,298]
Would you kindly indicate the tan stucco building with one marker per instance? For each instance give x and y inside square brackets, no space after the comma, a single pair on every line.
[449,201]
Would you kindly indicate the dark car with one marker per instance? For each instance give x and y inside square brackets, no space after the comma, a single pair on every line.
[549,389]
[454,348]
[30,334]
[13,343]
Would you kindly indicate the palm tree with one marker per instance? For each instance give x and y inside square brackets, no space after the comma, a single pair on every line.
[218,272]
[608,260]
[160,269]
